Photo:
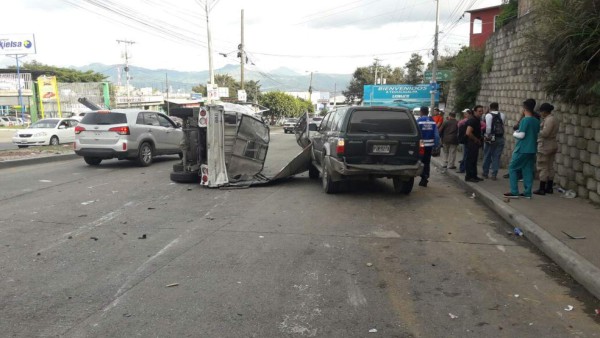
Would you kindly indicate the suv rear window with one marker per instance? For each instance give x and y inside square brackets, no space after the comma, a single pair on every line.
[382,121]
[104,118]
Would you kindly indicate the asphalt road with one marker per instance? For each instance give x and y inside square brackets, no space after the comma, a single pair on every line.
[91,252]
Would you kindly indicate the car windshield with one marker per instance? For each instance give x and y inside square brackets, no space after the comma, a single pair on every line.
[382,121]
[47,124]
[104,118]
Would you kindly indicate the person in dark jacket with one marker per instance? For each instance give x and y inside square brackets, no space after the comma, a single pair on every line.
[449,136]
[430,138]
[474,141]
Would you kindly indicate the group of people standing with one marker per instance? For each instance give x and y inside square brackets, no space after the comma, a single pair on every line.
[536,145]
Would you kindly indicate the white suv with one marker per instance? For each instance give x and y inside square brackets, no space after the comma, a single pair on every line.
[126,134]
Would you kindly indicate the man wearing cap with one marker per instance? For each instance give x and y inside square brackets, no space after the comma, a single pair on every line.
[523,157]
[547,146]
[430,138]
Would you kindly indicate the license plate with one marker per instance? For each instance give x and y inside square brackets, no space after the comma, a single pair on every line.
[97,133]
[381,148]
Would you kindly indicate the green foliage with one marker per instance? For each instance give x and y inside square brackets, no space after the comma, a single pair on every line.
[64,75]
[200,89]
[281,104]
[488,63]
[509,11]
[366,75]
[566,38]
[466,80]
[414,69]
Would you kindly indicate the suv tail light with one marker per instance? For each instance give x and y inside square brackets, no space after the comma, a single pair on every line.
[79,129]
[341,147]
[120,130]
[421,148]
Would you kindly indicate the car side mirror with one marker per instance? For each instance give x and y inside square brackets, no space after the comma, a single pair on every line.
[312,127]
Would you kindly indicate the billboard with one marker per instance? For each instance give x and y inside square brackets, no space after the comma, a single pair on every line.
[12,44]
[401,95]
[48,92]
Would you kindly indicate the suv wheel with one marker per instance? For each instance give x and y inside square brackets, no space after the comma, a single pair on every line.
[404,187]
[313,172]
[185,177]
[329,186]
[145,154]
[92,160]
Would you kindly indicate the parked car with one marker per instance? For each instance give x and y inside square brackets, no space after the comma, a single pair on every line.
[317,120]
[362,143]
[126,134]
[288,126]
[5,121]
[46,132]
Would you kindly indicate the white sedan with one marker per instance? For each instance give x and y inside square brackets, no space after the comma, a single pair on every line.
[46,132]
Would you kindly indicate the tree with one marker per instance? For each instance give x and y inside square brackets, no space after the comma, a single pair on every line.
[366,75]
[226,80]
[281,104]
[200,89]
[414,69]
[64,75]
[466,80]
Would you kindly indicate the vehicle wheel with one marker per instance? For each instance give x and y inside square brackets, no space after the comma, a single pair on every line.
[54,141]
[329,186]
[185,177]
[313,172]
[145,154]
[22,146]
[92,160]
[404,187]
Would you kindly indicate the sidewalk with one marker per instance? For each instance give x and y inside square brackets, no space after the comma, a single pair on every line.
[543,220]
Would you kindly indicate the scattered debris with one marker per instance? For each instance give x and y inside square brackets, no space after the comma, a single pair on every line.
[516,296]
[45,181]
[82,216]
[369,264]
[87,202]
[573,237]
[125,222]
[124,233]
[432,264]
[472,195]
[452,316]
[39,254]
[189,189]
[126,315]
[518,231]
[142,237]
[70,237]
[373,331]
[569,308]
[261,236]
[597,311]
[151,208]
[172,285]
[210,218]
[94,238]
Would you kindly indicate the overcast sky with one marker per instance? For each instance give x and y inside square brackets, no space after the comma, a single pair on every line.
[330,36]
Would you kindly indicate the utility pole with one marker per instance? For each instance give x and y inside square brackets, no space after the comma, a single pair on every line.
[435,55]
[334,94]
[168,103]
[310,88]
[127,43]
[376,69]
[210,60]
[242,55]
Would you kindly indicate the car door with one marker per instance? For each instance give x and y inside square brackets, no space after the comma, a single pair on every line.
[319,136]
[62,131]
[170,134]
[153,129]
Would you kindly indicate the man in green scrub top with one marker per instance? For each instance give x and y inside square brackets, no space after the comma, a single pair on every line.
[523,157]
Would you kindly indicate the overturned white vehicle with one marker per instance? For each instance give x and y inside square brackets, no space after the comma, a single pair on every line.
[226,144]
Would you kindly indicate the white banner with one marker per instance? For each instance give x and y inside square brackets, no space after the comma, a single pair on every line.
[17,44]
[242,96]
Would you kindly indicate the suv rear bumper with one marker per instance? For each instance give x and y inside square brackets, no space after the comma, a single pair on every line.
[105,154]
[345,169]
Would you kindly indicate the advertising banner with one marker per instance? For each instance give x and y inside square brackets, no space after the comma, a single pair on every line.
[402,95]
[12,44]
[48,91]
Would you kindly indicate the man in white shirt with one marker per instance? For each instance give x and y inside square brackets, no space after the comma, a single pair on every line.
[494,141]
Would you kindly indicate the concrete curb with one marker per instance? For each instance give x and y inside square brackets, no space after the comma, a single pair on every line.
[37,160]
[570,261]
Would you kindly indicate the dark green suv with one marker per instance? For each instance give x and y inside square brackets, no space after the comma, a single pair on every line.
[362,143]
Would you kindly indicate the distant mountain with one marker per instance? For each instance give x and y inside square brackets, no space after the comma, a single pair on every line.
[282,78]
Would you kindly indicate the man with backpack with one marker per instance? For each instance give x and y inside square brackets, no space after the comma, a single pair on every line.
[493,141]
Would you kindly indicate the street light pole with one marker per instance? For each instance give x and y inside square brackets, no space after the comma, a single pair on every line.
[210,60]
[242,55]
[435,55]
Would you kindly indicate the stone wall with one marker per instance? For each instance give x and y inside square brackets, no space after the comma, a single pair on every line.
[515,77]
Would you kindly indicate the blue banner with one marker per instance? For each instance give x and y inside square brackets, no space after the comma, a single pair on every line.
[402,95]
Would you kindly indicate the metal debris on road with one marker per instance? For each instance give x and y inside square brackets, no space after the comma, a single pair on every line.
[45,181]
[210,218]
[172,285]
[373,331]
[70,237]
[369,264]
[94,238]
[87,202]
[151,208]
[82,215]
[143,237]
[573,237]
[452,316]
[569,308]
[126,315]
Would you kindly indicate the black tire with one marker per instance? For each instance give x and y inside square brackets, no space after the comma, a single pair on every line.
[185,177]
[329,186]
[178,167]
[54,141]
[22,146]
[92,160]
[313,172]
[145,155]
[404,187]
